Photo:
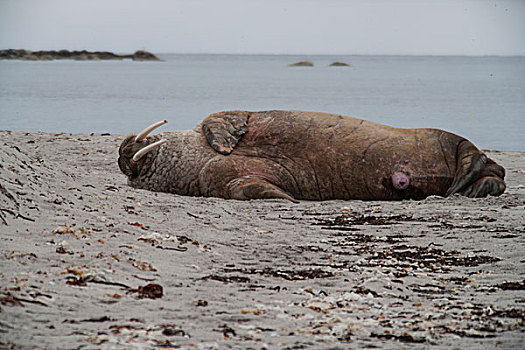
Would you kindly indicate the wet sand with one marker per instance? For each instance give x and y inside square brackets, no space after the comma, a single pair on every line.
[88,262]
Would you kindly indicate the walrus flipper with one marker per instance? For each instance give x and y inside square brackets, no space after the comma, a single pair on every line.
[253,187]
[487,185]
[490,182]
[476,175]
[470,164]
[225,129]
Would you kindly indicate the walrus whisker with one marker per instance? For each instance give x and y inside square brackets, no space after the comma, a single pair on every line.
[142,135]
[146,149]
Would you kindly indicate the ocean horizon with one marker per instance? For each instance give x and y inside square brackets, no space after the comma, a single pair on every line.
[479,97]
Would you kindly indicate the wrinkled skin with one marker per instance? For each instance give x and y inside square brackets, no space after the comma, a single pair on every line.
[312,156]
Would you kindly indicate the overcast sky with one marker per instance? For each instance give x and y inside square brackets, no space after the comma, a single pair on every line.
[406,27]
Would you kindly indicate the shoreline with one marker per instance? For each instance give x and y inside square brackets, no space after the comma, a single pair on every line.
[79,248]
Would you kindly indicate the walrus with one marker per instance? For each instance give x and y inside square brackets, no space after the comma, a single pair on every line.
[297,155]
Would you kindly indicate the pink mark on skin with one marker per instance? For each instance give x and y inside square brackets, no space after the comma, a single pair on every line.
[400,180]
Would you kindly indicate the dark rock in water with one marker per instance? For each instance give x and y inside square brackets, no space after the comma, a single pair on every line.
[13,54]
[339,64]
[142,55]
[86,57]
[83,55]
[302,64]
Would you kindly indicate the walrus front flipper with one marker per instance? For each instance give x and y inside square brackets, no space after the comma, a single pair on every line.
[470,163]
[252,187]
[224,130]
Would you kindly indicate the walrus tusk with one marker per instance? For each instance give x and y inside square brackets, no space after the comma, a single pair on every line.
[146,149]
[142,135]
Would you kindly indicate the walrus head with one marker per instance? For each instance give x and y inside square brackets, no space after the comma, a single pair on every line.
[134,147]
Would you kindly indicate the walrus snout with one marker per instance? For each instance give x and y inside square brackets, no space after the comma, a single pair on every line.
[142,135]
[134,148]
[400,180]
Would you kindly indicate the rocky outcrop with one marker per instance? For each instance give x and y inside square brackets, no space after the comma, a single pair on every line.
[339,64]
[302,64]
[83,55]
[142,55]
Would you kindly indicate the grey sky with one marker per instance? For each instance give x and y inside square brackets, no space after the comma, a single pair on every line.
[413,27]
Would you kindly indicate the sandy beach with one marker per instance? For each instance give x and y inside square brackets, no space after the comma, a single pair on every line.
[88,262]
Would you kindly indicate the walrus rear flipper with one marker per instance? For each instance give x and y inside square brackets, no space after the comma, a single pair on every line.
[476,175]
[252,187]
[470,164]
[225,129]
[490,182]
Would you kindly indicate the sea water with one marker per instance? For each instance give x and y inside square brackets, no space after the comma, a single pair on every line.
[481,98]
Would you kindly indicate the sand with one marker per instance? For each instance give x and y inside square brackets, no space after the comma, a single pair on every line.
[84,259]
